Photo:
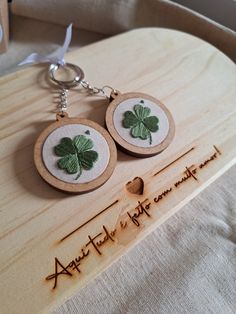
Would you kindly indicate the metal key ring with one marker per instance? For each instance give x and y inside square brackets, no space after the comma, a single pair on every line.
[70,83]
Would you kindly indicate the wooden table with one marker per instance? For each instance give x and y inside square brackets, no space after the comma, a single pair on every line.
[70,239]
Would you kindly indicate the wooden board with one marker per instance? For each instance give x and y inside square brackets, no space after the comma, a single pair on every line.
[70,239]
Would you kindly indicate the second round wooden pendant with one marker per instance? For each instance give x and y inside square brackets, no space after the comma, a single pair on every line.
[140,124]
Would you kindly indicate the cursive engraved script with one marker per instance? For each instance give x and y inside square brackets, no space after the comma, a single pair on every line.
[95,242]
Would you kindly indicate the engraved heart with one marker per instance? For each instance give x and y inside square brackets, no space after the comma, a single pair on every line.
[136,186]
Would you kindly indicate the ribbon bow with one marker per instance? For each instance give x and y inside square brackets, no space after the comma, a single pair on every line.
[56,57]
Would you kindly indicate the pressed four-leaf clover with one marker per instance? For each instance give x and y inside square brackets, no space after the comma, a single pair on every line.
[142,126]
[76,154]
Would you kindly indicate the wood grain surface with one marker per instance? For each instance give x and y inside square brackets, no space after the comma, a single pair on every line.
[50,239]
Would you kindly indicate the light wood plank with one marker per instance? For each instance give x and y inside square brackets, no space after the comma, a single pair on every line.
[197,84]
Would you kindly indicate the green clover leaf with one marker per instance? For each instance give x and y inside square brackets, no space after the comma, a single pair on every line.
[141,124]
[76,154]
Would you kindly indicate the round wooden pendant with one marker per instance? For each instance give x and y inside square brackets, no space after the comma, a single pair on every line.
[75,155]
[139,123]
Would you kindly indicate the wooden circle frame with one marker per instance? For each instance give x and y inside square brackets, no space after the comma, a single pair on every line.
[66,186]
[127,147]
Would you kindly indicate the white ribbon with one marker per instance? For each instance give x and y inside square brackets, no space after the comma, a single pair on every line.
[56,57]
[1,33]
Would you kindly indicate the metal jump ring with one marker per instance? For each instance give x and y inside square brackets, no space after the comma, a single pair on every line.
[66,84]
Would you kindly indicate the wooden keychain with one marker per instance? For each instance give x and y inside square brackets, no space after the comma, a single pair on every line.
[140,124]
[78,155]
[74,154]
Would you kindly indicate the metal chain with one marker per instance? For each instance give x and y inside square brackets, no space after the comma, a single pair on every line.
[93,90]
[66,85]
[63,101]
[63,105]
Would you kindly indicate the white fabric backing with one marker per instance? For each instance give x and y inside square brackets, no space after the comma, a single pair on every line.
[128,105]
[71,130]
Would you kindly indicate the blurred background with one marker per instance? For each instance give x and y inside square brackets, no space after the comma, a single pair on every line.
[39,26]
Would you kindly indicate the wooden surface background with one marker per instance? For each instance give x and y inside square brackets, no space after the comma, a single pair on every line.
[195,81]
